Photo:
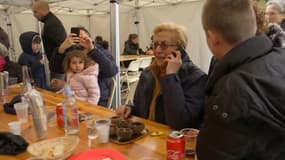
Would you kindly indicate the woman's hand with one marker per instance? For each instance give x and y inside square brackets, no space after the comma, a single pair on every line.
[58,83]
[86,42]
[174,62]
[70,40]
[123,111]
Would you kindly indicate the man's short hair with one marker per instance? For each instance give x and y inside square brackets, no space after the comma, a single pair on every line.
[234,19]
[43,4]
[85,30]
[180,36]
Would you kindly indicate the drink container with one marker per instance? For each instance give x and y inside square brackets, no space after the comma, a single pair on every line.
[175,146]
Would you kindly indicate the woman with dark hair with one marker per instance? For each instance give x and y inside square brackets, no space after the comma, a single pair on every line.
[132,45]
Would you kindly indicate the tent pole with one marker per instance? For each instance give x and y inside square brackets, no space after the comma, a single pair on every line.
[12,53]
[115,47]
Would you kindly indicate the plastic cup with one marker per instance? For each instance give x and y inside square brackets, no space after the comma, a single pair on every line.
[22,111]
[103,127]
[190,135]
[92,132]
[15,127]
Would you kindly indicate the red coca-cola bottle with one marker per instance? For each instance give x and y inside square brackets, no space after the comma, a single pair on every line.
[175,146]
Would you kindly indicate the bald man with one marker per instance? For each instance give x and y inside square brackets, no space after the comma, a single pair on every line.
[53,33]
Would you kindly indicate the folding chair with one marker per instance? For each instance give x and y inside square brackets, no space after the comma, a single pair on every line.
[145,63]
[130,74]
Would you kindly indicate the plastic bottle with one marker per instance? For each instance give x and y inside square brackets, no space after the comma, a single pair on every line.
[70,111]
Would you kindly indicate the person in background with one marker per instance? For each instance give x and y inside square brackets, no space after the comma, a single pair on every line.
[32,57]
[4,39]
[14,69]
[244,119]
[82,75]
[132,45]
[275,12]
[272,30]
[98,41]
[4,46]
[105,45]
[105,60]
[101,44]
[53,33]
[171,89]
[149,50]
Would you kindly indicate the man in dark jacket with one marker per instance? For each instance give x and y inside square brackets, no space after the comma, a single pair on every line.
[171,90]
[244,114]
[53,33]
[107,64]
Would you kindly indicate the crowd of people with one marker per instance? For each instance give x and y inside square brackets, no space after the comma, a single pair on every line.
[238,106]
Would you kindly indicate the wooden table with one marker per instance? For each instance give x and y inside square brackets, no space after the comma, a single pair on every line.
[134,57]
[148,146]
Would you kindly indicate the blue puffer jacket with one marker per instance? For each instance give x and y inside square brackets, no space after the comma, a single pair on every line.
[181,103]
[31,59]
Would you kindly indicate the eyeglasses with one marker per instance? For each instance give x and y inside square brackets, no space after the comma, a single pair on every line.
[162,45]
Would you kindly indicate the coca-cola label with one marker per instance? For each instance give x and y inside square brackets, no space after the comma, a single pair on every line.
[174,155]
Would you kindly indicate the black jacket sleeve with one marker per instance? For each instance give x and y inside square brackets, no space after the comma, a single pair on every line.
[107,64]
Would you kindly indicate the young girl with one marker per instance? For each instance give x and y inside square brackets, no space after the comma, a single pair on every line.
[82,75]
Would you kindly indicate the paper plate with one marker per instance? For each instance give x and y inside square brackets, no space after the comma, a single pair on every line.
[99,154]
[55,148]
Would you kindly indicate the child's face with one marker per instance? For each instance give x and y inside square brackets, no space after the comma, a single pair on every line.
[36,47]
[76,64]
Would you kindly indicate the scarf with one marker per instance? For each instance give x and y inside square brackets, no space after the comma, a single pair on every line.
[157,73]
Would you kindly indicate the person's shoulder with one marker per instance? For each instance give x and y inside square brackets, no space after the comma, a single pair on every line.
[91,70]
[188,68]
[51,19]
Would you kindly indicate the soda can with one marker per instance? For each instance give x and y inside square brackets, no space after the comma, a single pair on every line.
[175,146]
[59,115]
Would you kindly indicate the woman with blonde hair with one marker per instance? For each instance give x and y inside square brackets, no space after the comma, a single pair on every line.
[171,89]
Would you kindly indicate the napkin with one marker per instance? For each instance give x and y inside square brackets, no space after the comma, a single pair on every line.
[9,107]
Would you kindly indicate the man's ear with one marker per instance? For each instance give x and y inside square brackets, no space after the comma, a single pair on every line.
[213,37]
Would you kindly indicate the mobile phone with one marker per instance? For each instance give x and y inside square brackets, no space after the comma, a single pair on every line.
[75,30]
[181,49]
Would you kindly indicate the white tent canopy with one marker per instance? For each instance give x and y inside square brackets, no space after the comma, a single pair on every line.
[95,16]
[136,16]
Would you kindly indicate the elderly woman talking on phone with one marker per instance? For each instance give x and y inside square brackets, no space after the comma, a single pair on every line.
[171,89]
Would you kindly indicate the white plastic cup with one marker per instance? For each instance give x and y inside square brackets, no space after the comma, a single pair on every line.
[22,111]
[103,127]
[15,127]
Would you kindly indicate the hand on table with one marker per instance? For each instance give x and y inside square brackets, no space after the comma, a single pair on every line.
[123,111]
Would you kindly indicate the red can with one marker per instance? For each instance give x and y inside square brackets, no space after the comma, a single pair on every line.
[175,146]
[59,115]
